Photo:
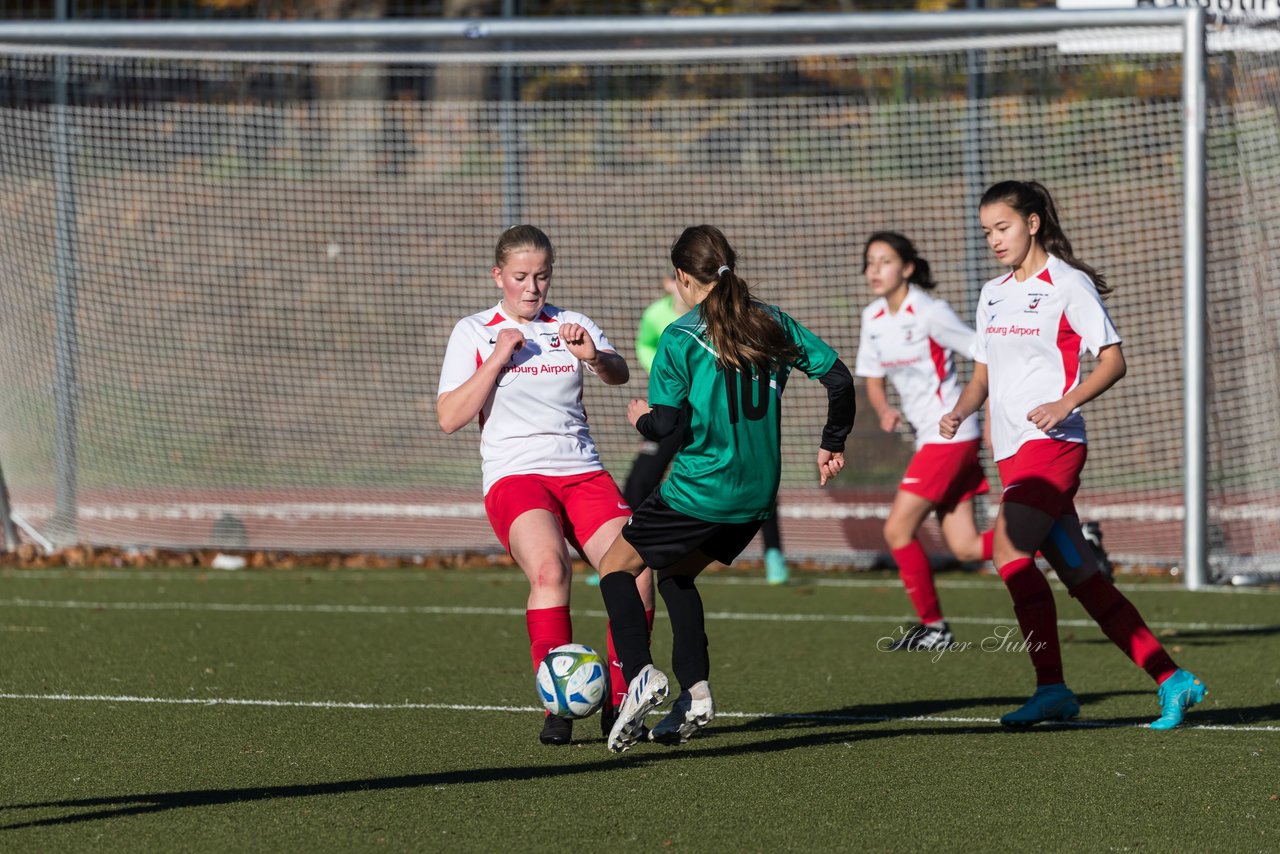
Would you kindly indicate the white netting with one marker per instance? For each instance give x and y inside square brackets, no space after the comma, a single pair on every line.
[269,255]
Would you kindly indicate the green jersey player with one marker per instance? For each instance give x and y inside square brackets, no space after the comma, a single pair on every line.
[718,378]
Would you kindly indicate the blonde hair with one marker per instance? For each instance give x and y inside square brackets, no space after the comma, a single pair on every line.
[522,237]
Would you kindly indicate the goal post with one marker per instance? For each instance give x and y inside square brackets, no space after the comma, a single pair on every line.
[270,226]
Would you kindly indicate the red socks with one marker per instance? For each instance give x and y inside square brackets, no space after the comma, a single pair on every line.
[1037,617]
[548,628]
[917,578]
[617,681]
[988,548]
[1122,623]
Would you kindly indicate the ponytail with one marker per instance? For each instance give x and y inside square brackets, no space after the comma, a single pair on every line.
[1032,197]
[743,333]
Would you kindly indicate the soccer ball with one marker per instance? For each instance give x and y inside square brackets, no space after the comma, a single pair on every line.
[572,681]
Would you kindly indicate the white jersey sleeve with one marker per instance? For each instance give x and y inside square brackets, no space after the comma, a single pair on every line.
[867,362]
[1087,315]
[461,358]
[978,344]
[949,330]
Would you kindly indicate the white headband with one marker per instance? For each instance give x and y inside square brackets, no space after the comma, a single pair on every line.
[724,269]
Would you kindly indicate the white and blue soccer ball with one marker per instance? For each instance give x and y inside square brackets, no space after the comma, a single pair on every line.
[572,681]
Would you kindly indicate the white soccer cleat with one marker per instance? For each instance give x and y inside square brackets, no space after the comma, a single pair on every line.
[645,693]
[693,710]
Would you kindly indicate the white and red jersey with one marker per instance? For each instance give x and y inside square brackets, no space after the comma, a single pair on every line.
[914,348]
[1031,335]
[533,421]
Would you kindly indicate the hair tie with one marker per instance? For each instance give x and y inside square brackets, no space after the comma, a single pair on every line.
[723,269]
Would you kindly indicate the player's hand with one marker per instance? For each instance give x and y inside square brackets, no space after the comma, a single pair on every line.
[507,342]
[578,341]
[949,425]
[636,410]
[890,418]
[1049,415]
[829,465]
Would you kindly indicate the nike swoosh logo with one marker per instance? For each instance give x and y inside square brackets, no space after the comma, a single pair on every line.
[622,506]
[911,480]
[994,301]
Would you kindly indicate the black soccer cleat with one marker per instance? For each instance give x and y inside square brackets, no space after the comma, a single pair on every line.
[1092,533]
[923,637]
[556,730]
[609,715]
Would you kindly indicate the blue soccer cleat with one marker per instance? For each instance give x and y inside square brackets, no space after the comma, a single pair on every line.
[1178,693]
[775,567]
[1048,703]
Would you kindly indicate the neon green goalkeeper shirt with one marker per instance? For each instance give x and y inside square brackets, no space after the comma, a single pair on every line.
[729,465]
[658,316]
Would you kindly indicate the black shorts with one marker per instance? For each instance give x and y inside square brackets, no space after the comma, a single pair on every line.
[664,536]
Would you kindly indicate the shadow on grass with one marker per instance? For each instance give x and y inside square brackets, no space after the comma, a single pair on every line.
[823,728]
[1268,715]
[102,808]
[1196,637]
[912,710]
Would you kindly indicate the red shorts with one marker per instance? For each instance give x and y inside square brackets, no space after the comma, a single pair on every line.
[582,503]
[1044,474]
[946,474]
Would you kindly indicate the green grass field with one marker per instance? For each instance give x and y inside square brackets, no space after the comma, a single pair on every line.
[178,710]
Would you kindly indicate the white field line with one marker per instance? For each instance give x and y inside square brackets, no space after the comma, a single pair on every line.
[457,610]
[513,575]
[460,707]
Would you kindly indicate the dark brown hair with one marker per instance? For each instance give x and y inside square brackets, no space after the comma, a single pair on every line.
[743,333]
[906,250]
[519,237]
[1031,197]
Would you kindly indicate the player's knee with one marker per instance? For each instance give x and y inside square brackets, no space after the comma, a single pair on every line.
[968,552]
[897,535]
[550,573]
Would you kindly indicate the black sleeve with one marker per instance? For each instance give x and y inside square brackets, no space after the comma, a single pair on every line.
[661,421]
[841,406]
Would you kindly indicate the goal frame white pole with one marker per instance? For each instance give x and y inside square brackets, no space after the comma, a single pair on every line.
[501,32]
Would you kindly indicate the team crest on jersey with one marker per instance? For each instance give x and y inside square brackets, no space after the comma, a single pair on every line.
[553,340]
[1031,306]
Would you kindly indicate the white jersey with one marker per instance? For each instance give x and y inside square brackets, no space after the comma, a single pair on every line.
[1031,335]
[914,348]
[533,421]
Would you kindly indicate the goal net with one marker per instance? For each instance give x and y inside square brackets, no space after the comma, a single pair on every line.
[229,275]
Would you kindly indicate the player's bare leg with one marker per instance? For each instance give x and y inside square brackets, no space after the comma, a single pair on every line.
[961,534]
[538,547]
